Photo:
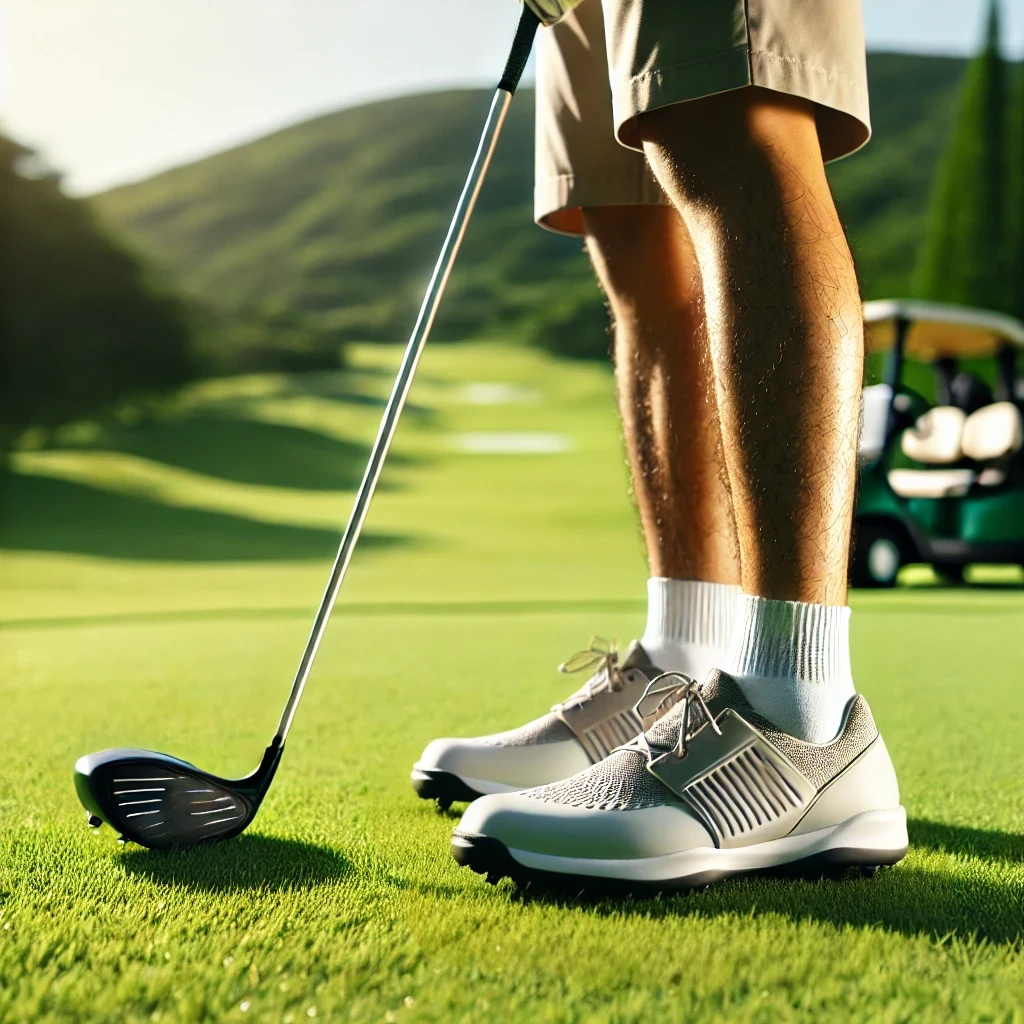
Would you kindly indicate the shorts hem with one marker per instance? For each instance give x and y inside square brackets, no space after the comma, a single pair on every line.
[664,87]
[844,119]
[844,123]
[558,200]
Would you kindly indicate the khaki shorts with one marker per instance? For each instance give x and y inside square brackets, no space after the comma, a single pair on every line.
[590,89]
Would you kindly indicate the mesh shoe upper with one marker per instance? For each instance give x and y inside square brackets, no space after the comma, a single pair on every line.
[622,780]
[548,728]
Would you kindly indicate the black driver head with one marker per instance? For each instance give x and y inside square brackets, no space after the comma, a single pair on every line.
[162,802]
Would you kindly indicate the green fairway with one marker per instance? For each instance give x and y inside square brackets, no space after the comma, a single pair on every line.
[157,581]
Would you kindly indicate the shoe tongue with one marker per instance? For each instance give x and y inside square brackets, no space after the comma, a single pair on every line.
[719,690]
[636,657]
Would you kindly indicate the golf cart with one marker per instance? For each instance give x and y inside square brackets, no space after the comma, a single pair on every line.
[940,482]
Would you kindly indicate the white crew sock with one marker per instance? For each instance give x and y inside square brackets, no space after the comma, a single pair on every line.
[689,624]
[792,661]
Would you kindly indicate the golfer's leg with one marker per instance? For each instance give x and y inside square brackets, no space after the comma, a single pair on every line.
[587,184]
[784,318]
[745,171]
[644,259]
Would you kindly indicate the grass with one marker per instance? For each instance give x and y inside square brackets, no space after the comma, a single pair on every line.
[153,591]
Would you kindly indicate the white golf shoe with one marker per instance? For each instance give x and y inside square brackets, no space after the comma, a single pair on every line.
[711,790]
[572,736]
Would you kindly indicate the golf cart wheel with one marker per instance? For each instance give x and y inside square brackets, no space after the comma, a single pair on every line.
[877,556]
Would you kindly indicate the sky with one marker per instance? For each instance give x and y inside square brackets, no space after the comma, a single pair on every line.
[111,91]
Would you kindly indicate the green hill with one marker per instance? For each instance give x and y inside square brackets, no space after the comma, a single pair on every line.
[338,219]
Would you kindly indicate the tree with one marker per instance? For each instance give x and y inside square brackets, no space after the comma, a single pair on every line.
[963,258]
[82,326]
[1015,195]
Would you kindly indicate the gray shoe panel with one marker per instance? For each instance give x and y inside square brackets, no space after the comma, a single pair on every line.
[868,783]
[816,762]
[608,719]
[738,783]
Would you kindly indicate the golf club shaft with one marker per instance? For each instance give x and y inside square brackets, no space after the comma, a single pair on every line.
[428,310]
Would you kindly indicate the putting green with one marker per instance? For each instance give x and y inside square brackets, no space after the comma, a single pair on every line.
[156,586]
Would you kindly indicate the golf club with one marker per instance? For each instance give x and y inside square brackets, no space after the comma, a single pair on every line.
[160,801]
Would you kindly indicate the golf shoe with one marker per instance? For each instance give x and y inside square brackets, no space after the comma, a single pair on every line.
[711,790]
[578,732]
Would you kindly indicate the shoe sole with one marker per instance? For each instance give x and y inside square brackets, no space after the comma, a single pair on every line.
[868,841]
[444,787]
[447,788]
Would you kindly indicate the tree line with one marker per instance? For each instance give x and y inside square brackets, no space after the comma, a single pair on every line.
[87,328]
[83,327]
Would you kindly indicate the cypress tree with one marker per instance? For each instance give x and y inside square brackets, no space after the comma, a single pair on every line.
[963,258]
[1015,195]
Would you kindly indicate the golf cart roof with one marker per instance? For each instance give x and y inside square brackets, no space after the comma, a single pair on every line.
[938,331]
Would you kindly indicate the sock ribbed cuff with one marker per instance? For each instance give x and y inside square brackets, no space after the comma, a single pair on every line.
[809,643]
[689,612]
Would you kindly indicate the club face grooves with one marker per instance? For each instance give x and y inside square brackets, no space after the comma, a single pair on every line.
[163,803]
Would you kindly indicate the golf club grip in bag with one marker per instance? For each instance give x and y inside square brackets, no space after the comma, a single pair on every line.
[517,58]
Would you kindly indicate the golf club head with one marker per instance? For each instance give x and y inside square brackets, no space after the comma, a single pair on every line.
[162,802]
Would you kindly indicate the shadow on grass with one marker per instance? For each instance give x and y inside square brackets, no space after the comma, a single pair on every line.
[248,862]
[339,388]
[39,513]
[906,899]
[365,609]
[247,451]
[985,844]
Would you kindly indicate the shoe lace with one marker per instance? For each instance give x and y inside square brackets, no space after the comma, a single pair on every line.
[601,659]
[667,690]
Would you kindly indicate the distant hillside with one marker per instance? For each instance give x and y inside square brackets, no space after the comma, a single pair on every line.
[339,219]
